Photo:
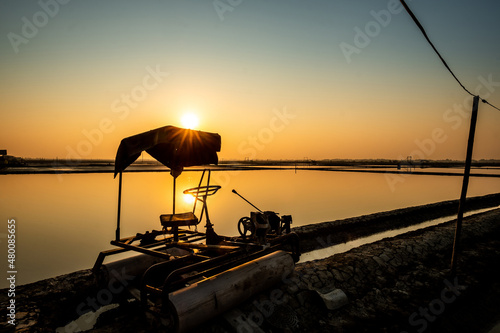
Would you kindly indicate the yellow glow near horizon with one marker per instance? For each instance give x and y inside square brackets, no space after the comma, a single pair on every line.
[188,198]
[190,121]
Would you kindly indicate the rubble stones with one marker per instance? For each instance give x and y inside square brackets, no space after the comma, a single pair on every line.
[385,282]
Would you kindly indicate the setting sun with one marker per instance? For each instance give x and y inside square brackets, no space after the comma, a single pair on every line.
[190,120]
[188,198]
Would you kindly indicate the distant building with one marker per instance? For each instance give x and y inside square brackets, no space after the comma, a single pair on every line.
[9,161]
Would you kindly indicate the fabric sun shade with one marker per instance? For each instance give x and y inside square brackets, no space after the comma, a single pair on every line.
[174,147]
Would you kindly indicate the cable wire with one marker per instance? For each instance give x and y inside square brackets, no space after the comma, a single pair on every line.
[433,47]
[486,102]
[437,52]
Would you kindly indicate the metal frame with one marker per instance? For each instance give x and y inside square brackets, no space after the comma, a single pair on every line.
[207,254]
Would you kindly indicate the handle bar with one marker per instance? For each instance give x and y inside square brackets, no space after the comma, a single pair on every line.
[234,191]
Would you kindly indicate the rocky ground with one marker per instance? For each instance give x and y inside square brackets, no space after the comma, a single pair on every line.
[401,284]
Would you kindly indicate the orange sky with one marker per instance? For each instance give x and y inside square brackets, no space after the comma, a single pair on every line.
[272,78]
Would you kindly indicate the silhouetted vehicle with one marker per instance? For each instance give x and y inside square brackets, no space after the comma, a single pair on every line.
[183,277]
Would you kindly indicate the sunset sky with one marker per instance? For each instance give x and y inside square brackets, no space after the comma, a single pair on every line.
[276,79]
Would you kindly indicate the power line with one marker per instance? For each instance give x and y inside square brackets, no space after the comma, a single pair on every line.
[433,47]
[486,102]
[437,52]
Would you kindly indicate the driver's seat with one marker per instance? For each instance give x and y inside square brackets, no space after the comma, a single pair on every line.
[188,219]
[175,221]
[179,220]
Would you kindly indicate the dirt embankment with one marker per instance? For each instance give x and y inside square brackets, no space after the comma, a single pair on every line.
[314,236]
[401,284]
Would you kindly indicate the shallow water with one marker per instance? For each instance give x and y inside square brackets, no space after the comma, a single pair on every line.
[344,247]
[64,221]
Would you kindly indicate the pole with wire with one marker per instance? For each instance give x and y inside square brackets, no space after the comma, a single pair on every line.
[465,184]
[470,143]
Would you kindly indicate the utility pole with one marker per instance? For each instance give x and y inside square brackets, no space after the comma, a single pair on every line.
[465,184]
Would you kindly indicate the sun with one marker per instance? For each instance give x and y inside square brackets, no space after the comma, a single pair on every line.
[190,121]
[189,199]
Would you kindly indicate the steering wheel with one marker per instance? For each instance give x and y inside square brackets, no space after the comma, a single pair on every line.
[202,191]
[245,224]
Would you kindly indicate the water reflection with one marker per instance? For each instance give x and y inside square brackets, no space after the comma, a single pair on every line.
[63,222]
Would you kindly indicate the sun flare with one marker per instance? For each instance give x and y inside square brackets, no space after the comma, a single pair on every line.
[188,198]
[190,121]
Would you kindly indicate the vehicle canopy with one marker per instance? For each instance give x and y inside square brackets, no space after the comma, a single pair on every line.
[172,146]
